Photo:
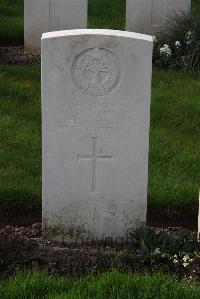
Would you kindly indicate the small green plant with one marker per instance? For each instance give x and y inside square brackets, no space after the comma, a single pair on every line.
[151,247]
[149,241]
[179,46]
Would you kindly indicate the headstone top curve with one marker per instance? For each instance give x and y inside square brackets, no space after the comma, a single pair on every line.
[103,32]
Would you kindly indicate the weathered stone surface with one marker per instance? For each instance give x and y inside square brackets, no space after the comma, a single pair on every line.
[96,89]
[150,16]
[51,15]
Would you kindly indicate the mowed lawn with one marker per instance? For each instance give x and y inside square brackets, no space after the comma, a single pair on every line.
[174,142]
[107,285]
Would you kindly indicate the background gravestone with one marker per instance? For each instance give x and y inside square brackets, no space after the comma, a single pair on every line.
[51,15]
[96,90]
[150,16]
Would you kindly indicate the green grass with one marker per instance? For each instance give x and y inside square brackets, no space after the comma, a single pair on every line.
[107,285]
[20,146]
[174,142]
[196,3]
[107,14]
[11,22]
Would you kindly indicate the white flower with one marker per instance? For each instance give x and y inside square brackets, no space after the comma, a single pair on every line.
[188,42]
[186,258]
[175,259]
[188,35]
[177,44]
[157,251]
[165,50]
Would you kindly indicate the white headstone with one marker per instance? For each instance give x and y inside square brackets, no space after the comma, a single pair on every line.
[51,15]
[96,90]
[150,16]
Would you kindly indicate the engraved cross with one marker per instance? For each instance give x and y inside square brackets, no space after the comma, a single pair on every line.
[94,157]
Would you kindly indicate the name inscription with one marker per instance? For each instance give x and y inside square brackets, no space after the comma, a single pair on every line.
[94,117]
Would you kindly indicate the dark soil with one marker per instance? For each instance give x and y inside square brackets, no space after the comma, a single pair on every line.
[189,223]
[35,215]
[17,55]
[22,248]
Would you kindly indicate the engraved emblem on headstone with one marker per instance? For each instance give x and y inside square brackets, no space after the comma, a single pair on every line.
[96,72]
